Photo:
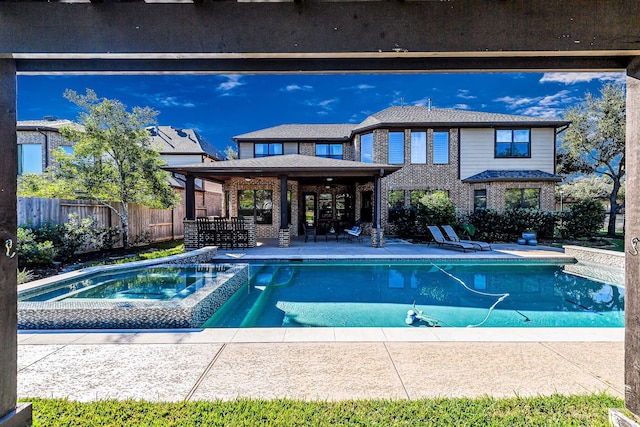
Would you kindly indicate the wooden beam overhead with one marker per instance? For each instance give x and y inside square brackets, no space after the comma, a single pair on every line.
[349,36]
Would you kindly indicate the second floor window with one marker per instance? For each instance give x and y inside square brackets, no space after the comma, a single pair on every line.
[440,148]
[265,150]
[396,148]
[366,148]
[418,147]
[29,158]
[513,143]
[330,151]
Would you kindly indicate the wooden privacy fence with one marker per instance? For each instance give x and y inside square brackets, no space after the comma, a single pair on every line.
[162,224]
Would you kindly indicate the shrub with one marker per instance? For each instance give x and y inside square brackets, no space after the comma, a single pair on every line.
[76,234]
[109,237]
[32,252]
[435,209]
[404,220]
[25,276]
[584,218]
[508,226]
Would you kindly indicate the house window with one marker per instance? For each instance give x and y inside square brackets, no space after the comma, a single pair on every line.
[29,158]
[329,151]
[440,148]
[395,202]
[525,198]
[257,204]
[479,199]
[325,206]
[266,150]
[513,143]
[366,148]
[416,195]
[396,148]
[418,147]
[342,207]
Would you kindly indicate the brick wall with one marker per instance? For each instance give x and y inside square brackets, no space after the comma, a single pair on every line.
[54,141]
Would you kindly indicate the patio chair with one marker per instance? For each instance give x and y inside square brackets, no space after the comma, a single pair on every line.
[452,235]
[240,233]
[308,232]
[354,233]
[439,238]
[205,231]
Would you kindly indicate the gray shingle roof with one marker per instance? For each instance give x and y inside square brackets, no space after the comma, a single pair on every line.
[298,132]
[416,116]
[291,164]
[182,141]
[45,124]
[512,175]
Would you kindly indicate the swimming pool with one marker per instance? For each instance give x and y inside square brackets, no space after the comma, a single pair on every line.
[440,293]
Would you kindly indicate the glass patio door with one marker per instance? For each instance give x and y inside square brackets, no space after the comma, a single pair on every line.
[310,209]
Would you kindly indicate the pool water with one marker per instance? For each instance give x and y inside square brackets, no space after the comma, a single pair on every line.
[445,294]
[159,283]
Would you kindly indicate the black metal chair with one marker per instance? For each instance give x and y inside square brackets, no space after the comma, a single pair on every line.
[240,233]
[206,232]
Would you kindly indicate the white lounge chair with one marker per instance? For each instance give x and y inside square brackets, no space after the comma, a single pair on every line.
[452,235]
[439,238]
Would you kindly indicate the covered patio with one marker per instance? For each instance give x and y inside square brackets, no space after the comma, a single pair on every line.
[281,196]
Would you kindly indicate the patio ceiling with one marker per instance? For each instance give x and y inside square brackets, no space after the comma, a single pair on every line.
[291,165]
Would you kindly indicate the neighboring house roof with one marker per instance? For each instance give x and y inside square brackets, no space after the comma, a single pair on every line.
[45,124]
[300,132]
[182,141]
[433,117]
[512,175]
[293,165]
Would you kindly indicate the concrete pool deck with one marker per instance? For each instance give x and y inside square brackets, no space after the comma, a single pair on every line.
[325,363]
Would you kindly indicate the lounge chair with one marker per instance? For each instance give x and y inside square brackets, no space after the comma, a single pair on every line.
[354,233]
[452,235]
[309,232]
[438,237]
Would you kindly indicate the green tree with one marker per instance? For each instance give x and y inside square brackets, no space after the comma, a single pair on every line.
[594,143]
[113,159]
[230,153]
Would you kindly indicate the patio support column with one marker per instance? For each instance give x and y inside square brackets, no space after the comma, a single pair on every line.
[632,231]
[284,237]
[376,230]
[10,413]
[190,197]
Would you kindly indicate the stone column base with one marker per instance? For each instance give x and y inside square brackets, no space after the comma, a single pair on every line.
[284,238]
[374,238]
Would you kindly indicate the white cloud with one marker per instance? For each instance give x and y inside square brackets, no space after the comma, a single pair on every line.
[294,88]
[541,106]
[362,86]
[573,78]
[231,82]
[325,105]
[461,106]
[172,101]
[422,102]
[464,94]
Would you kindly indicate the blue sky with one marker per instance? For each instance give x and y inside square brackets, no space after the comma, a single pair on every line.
[221,106]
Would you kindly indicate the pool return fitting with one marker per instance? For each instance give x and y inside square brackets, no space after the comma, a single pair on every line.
[415,315]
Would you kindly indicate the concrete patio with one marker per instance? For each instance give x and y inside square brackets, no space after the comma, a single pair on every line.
[325,363]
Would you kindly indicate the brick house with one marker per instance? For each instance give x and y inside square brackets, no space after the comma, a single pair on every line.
[333,175]
[38,139]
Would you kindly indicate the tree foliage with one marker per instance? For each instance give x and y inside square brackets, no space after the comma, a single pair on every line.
[113,159]
[595,141]
[590,187]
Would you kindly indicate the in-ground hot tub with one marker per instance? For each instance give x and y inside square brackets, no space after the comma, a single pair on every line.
[142,295]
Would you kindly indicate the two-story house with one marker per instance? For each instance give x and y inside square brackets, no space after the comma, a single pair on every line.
[336,175]
[38,139]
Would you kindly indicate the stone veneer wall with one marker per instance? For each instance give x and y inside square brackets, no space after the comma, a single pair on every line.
[266,230]
[598,256]
[191,312]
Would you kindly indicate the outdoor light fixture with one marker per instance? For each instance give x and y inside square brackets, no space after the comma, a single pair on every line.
[246,178]
[329,179]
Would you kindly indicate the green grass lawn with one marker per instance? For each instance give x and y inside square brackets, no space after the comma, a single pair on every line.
[556,410]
